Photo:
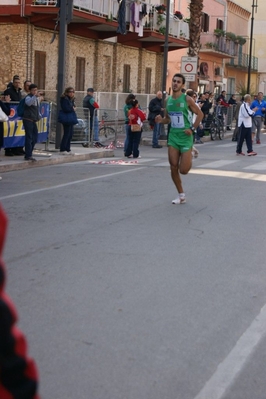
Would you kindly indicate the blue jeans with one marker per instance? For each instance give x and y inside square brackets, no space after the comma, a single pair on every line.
[156,133]
[31,136]
[95,128]
[127,138]
[66,139]
[133,144]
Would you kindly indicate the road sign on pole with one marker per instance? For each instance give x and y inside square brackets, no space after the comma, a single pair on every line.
[190,77]
[189,65]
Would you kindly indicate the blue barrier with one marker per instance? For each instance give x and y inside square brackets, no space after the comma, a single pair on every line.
[14,133]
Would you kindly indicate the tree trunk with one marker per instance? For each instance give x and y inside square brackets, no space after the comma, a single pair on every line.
[196,7]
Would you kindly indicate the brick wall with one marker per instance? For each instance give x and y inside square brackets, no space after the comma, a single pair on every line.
[104,61]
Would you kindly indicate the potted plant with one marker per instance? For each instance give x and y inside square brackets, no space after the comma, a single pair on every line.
[230,36]
[241,40]
[178,15]
[219,32]
[161,8]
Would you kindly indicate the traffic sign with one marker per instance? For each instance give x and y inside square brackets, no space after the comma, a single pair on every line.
[189,78]
[189,65]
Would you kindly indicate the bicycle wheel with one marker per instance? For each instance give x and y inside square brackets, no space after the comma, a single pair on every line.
[213,131]
[221,131]
[107,132]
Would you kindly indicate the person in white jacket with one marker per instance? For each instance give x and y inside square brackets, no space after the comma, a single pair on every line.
[245,125]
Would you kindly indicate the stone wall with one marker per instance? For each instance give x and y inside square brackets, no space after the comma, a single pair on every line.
[104,61]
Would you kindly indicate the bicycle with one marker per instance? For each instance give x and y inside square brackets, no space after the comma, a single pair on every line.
[217,128]
[106,131]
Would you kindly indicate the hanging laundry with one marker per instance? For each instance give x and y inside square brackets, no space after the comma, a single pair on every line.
[121,17]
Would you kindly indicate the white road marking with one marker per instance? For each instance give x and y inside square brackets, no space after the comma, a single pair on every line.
[217,164]
[227,173]
[67,184]
[232,365]
[233,144]
[257,166]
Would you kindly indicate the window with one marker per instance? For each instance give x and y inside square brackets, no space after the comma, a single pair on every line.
[205,22]
[148,80]
[80,74]
[126,79]
[40,69]
[219,24]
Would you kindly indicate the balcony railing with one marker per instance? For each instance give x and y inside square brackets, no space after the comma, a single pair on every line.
[242,61]
[108,10]
[213,43]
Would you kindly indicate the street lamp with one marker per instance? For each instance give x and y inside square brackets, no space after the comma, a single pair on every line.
[254,5]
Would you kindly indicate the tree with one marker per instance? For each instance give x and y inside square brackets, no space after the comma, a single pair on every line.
[195,7]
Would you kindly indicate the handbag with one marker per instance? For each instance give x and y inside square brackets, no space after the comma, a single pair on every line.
[3,116]
[135,128]
[67,118]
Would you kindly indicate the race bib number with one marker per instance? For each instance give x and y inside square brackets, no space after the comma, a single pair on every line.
[177,120]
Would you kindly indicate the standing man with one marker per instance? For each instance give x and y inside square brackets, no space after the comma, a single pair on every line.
[14,92]
[260,104]
[30,117]
[156,108]
[90,103]
[225,105]
[25,91]
[245,124]
[179,111]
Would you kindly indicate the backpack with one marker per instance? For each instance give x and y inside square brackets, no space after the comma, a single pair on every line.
[21,107]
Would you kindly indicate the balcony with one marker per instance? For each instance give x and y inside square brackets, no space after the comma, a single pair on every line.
[220,47]
[97,19]
[242,61]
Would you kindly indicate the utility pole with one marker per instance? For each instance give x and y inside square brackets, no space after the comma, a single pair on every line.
[66,15]
[254,5]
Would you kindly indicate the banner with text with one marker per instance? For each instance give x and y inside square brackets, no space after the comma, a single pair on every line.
[14,133]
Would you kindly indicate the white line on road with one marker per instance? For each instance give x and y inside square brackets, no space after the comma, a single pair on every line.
[217,164]
[67,184]
[226,173]
[230,368]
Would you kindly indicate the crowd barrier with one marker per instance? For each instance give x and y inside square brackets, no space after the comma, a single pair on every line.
[13,129]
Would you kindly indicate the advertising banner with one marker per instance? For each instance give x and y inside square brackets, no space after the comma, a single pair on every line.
[14,134]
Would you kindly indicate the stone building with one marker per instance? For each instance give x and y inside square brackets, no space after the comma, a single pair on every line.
[96,54]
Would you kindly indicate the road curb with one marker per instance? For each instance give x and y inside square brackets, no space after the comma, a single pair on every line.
[55,159]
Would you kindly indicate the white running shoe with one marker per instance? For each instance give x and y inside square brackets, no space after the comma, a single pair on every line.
[181,199]
[70,153]
[63,153]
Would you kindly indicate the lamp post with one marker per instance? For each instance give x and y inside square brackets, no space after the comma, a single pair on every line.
[165,57]
[254,5]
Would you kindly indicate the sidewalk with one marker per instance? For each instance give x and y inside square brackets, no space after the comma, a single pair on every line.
[51,157]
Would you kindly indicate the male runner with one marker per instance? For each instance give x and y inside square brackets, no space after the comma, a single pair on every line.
[179,110]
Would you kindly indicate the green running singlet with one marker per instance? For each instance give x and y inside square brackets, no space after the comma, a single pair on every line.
[181,119]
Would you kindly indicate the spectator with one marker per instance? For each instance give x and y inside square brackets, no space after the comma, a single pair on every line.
[156,108]
[127,107]
[199,132]
[260,104]
[14,91]
[225,105]
[25,91]
[90,103]
[245,124]
[30,118]
[6,110]
[136,117]
[67,103]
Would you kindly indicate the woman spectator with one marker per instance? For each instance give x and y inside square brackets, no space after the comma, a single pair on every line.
[68,118]
[6,109]
[136,117]
[127,107]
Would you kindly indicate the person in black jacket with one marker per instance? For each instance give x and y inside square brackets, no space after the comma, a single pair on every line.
[14,92]
[30,117]
[67,103]
[156,108]
[6,110]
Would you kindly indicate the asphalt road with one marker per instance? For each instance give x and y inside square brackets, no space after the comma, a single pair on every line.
[123,295]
